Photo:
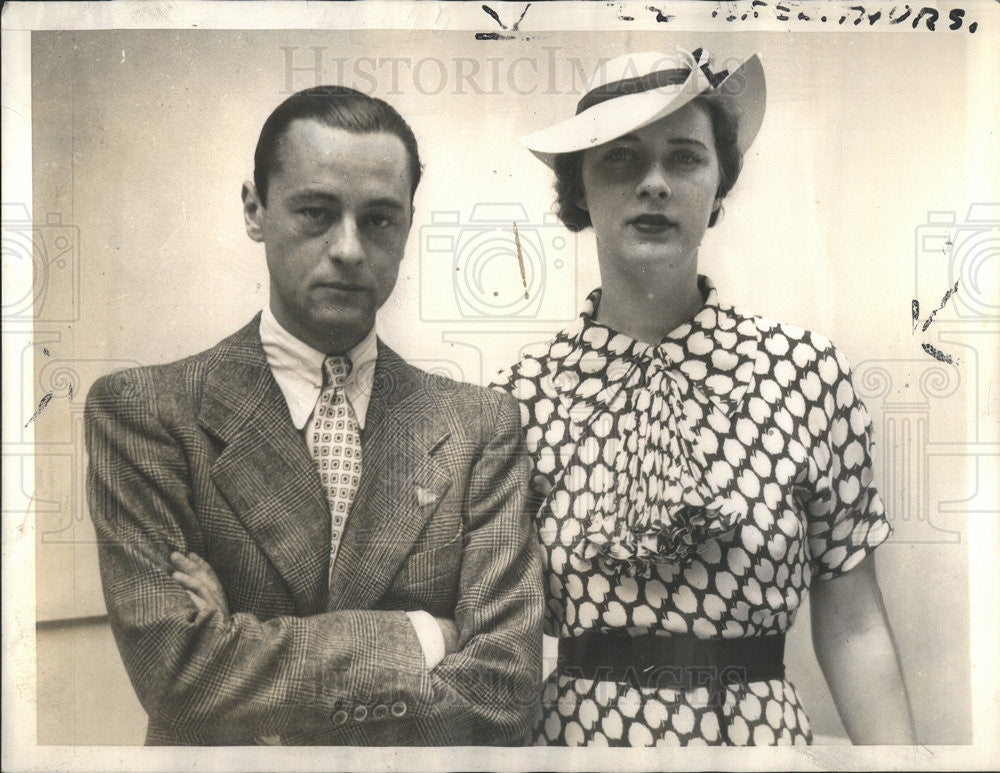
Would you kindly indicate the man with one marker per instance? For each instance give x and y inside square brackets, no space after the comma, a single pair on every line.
[376,579]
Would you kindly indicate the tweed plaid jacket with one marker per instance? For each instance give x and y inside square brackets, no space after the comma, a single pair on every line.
[202,455]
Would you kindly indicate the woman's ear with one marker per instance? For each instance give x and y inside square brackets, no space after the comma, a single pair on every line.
[581,202]
[253,211]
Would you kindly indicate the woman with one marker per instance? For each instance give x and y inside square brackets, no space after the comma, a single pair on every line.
[696,469]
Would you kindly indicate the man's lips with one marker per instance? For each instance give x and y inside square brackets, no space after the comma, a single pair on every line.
[345,287]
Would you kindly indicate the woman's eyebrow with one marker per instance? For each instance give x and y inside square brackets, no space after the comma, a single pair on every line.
[688,141]
[676,140]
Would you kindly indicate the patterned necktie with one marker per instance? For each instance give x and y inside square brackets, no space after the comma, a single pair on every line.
[335,444]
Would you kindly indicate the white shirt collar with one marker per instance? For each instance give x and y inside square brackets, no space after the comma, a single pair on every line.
[298,369]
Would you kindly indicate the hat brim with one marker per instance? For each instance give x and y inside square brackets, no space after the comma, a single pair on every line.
[616,117]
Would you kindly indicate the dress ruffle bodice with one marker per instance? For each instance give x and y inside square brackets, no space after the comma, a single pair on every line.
[654,413]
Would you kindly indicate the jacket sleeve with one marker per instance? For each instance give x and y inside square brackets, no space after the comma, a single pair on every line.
[488,691]
[203,679]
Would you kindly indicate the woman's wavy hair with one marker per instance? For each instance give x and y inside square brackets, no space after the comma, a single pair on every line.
[725,125]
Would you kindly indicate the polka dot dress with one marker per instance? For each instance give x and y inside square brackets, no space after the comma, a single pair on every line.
[335,443]
[694,487]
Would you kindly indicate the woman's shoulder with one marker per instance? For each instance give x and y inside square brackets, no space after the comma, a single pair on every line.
[783,340]
[524,378]
[793,360]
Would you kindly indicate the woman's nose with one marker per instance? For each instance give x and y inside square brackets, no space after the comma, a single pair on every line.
[653,184]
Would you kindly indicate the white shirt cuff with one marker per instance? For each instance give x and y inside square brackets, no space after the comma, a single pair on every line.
[429,635]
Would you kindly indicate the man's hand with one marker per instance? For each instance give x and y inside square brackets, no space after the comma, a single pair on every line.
[200,582]
[450,634]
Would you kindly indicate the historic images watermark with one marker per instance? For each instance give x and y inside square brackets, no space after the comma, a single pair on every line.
[553,72]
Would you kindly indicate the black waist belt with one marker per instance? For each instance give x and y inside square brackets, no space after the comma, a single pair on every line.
[676,662]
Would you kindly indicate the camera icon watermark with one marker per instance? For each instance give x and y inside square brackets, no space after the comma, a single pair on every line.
[935,453]
[965,253]
[48,468]
[52,250]
[496,266]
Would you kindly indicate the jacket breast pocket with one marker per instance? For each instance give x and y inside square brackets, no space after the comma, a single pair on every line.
[428,579]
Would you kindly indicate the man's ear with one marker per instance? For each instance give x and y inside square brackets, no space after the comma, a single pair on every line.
[253,211]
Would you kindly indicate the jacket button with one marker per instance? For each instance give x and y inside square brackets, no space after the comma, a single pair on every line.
[398,709]
[339,717]
[360,713]
[380,712]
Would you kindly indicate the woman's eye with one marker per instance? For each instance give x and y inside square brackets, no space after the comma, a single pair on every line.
[620,155]
[685,158]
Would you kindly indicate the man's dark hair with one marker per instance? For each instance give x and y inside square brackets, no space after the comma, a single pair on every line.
[725,126]
[338,107]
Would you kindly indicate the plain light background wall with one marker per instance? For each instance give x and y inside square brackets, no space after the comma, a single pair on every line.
[141,140]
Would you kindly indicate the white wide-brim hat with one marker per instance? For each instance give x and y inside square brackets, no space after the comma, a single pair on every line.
[635,90]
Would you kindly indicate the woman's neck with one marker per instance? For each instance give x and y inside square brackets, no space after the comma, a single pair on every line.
[648,310]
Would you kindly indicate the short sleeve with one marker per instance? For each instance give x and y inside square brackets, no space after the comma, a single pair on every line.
[846,515]
[523,380]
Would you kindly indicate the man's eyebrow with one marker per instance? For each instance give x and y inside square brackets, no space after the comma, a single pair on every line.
[311,194]
[389,202]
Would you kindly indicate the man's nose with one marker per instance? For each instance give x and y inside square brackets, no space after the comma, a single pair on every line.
[344,244]
[653,183]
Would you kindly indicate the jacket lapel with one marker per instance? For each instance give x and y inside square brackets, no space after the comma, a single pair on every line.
[265,471]
[401,485]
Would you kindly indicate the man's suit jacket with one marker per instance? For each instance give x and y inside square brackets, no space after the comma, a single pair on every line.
[201,455]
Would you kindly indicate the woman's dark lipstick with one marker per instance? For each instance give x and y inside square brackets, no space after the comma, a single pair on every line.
[652,223]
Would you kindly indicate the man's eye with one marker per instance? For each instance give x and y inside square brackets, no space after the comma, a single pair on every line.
[313,213]
[379,220]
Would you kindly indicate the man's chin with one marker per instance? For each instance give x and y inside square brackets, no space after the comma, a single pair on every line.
[343,331]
